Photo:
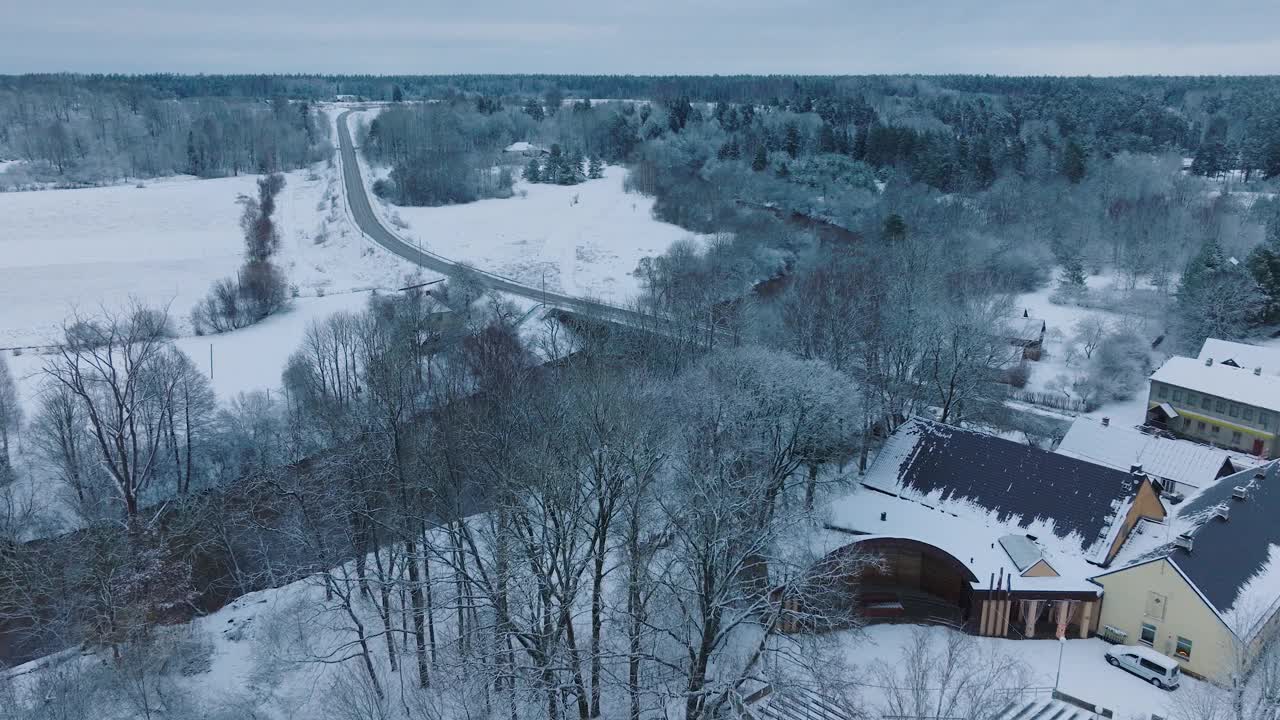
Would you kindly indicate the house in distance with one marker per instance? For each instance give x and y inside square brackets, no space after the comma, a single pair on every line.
[1220,402]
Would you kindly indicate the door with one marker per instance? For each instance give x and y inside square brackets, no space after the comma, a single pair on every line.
[1257,446]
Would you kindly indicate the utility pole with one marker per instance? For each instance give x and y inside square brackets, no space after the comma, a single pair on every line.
[210,362]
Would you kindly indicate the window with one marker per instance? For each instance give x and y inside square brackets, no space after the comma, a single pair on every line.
[1216,428]
[1155,606]
[1235,438]
[1186,422]
[1192,399]
[1235,410]
[1248,413]
[1264,419]
[1148,636]
[1207,402]
[1220,405]
[1184,649]
[1147,664]
[1200,426]
[1164,391]
[1177,395]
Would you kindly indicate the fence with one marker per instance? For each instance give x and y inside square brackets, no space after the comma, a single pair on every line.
[1057,401]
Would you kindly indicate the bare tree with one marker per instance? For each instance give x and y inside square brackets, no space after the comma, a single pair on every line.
[10,413]
[947,674]
[1090,332]
[119,368]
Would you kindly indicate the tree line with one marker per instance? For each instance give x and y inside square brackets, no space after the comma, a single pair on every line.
[71,131]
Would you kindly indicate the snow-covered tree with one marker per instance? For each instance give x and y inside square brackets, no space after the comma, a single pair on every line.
[10,413]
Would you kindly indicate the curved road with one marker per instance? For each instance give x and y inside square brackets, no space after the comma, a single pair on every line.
[367,220]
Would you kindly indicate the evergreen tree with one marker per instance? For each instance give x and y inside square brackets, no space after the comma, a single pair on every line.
[731,122]
[1072,279]
[553,98]
[783,171]
[534,110]
[791,140]
[729,150]
[1210,159]
[895,228]
[193,155]
[1264,265]
[827,142]
[554,169]
[1073,162]
[397,95]
[859,150]
[573,173]
[761,161]
[595,170]
[1217,297]
[1271,159]
[532,172]
[679,113]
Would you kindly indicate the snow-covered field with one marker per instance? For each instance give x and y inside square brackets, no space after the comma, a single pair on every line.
[165,244]
[583,240]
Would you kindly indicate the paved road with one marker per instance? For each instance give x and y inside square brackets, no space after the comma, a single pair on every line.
[367,220]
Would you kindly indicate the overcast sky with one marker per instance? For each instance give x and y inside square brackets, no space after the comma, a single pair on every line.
[1074,37]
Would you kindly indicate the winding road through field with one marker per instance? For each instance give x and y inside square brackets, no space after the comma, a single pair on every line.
[367,220]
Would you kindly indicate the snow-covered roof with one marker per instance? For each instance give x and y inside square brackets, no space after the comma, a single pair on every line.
[868,514]
[980,475]
[523,146]
[1224,381]
[1122,447]
[1028,329]
[1022,550]
[1241,355]
[1234,562]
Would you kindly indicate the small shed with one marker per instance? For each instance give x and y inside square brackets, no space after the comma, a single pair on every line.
[1027,333]
[525,149]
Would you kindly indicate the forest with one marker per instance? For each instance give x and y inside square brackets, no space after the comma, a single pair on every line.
[455,519]
[76,131]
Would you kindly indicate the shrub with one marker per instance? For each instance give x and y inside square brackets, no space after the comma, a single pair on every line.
[258,290]
[1017,375]
[384,188]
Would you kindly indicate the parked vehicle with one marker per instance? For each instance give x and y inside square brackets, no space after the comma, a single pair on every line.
[1157,669]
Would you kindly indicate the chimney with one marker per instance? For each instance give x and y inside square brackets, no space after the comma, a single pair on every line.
[1222,511]
[1257,370]
[1184,541]
[1208,362]
[1240,492]
[1024,314]
[884,516]
[1106,422]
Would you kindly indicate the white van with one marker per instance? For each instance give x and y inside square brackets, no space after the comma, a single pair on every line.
[1157,669]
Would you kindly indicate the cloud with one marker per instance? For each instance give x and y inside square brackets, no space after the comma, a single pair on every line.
[657,36]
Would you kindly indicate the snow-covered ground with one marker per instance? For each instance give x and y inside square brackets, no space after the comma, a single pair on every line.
[583,240]
[264,655]
[1085,673]
[165,244]
[1048,373]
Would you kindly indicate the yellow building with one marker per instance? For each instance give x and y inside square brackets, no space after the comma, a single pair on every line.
[1217,403]
[1210,597]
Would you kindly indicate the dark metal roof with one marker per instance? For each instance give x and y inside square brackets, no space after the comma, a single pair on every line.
[1015,481]
[1226,554]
